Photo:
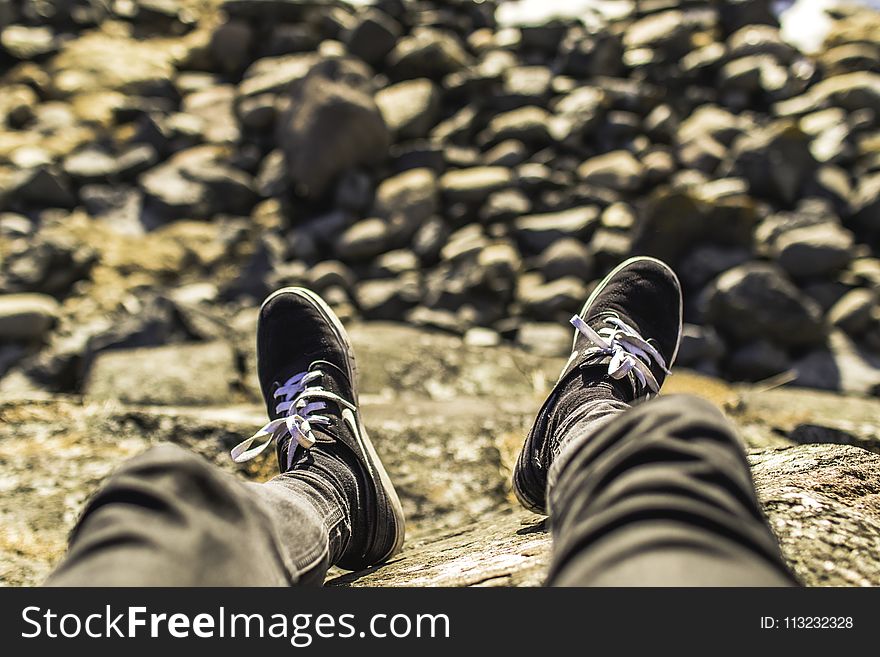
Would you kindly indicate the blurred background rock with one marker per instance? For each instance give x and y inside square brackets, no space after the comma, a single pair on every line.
[467,166]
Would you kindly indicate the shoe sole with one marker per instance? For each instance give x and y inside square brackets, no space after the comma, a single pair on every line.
[520,494]
[374,463]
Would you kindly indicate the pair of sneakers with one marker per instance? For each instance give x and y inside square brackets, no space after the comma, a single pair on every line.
[628,330]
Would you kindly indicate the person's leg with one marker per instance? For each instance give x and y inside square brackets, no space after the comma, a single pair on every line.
[661,495]
[170,518]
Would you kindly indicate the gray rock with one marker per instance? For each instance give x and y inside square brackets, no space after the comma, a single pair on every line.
[23,42]
[508,153]
[429,239]
[555,299]
[699,345]
[410,108]
[373,36]
[216,107]
[230,45]
[757,157]
[197,183]
[387,298]
[544,338]
[718,213]
[329,128]
[536,232]
[756,300]
[185,374]
[842,365]
[757,361]
[619,170]
[663,29]
[566,257]
[410,198]
[365,239]
[427,53]
[853,312]
[26,317]
[474,184]
[528,124]
[817,250]
[505,205]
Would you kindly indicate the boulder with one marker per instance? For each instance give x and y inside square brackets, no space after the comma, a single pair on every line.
[409,108]
[757,300]
[329,128]
[619,170]
[183,374]
[26,317]
[813,251]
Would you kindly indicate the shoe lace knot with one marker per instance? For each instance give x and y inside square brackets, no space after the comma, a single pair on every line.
[298,402]
[630,353]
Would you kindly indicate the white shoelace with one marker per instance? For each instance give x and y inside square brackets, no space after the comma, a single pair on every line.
[629,351]
[297,409]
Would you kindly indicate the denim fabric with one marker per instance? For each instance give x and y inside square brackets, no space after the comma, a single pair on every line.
[657,495]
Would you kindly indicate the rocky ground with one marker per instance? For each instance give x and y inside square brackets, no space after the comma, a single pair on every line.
[467,175]
[448,420]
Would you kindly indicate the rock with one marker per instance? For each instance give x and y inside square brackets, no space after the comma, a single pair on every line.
[474,184]
[329,128]
[365,239]
[756,300]
[410,197]
[101,61]
[853,311]
[720,213]
[230,45]
[795,487]
[536,232]
[197,183]
[558,298]
[566,257]
[544,338]
[90,165]
[429,239]
[757,361]
[427,53]
[479,336]
[23,42]
[776,160]
[394,263]
[704,263]
[386,298]
[815,250]
[46,186]
[186,374]
[699,345]
[46,263]
[843,365]
[216,107]
[618,170]
[374,35]
[505,205]
[527,124]
[507,153]
[665,29]
[26,317]
[409,108]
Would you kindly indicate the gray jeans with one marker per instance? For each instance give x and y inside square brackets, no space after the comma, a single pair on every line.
[660,494]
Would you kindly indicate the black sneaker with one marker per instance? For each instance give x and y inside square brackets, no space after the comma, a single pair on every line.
[308,377]
[628,332]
